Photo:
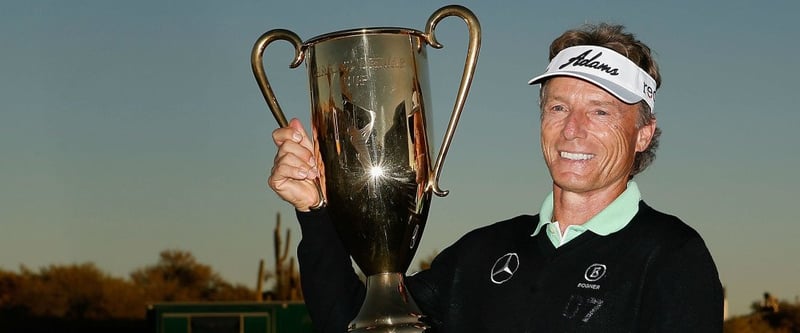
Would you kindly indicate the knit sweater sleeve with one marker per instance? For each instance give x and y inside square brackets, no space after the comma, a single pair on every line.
[430,288]
[687,294]
[332,291]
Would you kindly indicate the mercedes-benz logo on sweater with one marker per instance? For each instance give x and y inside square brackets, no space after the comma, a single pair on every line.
[504,268]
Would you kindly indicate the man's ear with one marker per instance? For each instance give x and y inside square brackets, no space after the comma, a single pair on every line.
[645,135]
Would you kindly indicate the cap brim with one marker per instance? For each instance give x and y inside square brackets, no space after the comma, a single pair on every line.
[618,91]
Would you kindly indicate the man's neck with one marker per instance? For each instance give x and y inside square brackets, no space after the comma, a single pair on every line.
[576,208]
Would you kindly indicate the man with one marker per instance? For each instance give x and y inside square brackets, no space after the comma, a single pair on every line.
[595,259]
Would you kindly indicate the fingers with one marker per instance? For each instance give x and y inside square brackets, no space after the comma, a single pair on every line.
[294,155]
[294,170]
[294,162]
[294,132]
[292,179]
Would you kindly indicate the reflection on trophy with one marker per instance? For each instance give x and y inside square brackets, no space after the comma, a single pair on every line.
[369,96]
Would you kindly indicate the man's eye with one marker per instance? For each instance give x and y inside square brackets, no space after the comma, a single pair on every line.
[600,112]
[558,108]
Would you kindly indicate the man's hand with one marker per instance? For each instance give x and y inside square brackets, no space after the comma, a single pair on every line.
[295,169]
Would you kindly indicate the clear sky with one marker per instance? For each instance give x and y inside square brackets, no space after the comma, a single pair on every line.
[131,127]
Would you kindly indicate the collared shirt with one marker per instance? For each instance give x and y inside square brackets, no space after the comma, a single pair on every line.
[609,220]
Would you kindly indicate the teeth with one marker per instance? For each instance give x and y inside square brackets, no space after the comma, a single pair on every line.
[576,156]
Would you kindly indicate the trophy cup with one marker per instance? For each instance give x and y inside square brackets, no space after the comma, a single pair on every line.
[369,96]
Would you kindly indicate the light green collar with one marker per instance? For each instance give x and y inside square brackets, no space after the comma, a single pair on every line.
[610,220]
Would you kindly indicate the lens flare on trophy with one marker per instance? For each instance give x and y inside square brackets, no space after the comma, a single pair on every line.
[376,172]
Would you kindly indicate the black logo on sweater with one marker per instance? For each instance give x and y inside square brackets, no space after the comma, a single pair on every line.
[504,268]
[582,61]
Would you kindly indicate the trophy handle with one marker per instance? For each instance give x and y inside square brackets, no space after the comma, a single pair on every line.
[257,63]
[466,78]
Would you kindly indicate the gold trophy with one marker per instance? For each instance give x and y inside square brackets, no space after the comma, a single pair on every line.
[369,93]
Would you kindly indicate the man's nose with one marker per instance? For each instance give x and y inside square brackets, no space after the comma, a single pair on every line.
[575,126]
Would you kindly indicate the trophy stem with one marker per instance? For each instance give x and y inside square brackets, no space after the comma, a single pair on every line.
[388,307]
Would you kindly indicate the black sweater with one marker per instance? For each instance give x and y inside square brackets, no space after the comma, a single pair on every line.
[654,275]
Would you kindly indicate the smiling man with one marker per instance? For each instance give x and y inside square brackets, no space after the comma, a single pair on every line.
[595,259]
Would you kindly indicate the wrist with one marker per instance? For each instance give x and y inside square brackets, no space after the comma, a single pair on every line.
[311,208]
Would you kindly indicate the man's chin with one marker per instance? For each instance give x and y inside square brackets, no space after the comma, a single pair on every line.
[571,184]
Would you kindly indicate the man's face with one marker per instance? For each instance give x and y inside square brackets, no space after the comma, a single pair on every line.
[589,137]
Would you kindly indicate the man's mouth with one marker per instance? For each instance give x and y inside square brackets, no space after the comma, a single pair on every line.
[576,156]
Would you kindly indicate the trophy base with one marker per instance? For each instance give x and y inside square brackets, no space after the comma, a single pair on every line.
[388,307]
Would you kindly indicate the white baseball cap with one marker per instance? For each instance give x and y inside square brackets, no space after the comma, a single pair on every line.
[605,68]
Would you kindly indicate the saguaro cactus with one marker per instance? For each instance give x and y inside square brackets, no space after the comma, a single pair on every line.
[287,278]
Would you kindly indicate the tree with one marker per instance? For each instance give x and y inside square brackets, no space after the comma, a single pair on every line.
[77,291]
[784,318]
[81,298]
[179,277]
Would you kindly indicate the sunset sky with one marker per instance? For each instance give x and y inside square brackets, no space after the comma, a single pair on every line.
[131,127]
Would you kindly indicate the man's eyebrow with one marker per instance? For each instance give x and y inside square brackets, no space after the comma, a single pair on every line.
[603,102]
[552,98]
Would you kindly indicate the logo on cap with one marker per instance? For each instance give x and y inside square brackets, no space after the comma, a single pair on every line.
[581,60]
